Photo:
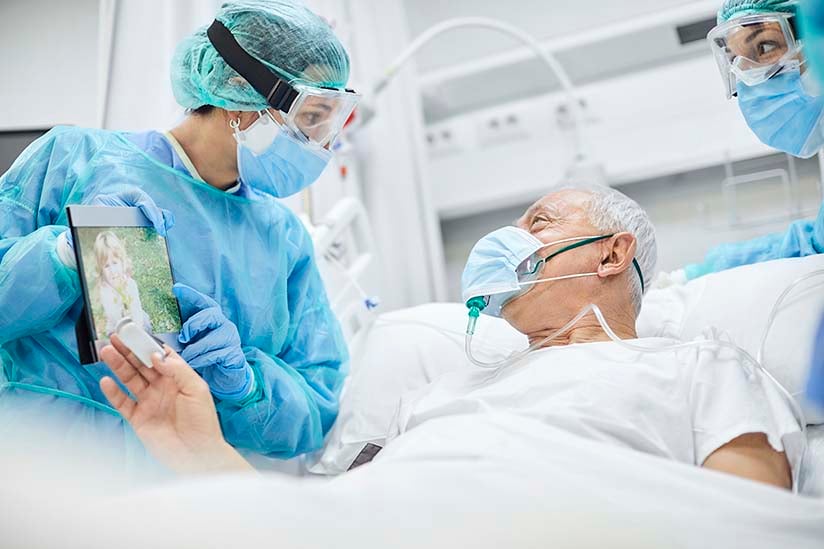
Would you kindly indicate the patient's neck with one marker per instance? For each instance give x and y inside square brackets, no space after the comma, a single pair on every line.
[587,330]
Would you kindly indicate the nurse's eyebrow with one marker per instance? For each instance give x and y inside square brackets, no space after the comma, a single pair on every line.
[755,34]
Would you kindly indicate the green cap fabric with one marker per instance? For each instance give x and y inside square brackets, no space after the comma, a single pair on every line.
[283,34]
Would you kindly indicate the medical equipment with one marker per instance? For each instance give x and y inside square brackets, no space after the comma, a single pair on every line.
[491,268]
[753,48]
[314,114]
[345,250]
[139,342]
[583,167]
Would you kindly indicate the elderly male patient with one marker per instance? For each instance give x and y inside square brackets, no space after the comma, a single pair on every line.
[702,406]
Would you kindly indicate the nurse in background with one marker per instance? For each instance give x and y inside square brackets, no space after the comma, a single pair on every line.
[762,58]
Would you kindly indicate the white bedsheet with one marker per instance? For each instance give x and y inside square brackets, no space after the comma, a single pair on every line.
[475,480]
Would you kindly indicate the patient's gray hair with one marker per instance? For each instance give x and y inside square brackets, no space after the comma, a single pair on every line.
[611,211]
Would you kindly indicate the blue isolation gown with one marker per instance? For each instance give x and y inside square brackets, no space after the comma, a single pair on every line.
[243,248]
[801,239]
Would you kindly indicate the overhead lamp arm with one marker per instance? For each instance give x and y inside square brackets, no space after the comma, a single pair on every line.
[484,22]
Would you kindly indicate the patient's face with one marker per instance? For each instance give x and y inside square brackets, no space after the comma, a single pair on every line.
[557,216]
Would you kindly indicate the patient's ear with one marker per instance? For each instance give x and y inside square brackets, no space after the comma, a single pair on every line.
[618,253]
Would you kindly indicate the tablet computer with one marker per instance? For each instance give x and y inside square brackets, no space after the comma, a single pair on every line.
[124,272]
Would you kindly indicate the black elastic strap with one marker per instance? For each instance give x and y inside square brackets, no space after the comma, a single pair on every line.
[590,241]
[279,94]
[640,275]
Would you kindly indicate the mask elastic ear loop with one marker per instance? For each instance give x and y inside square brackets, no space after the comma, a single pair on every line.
[554,278]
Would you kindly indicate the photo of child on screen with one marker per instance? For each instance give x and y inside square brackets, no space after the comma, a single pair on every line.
[116,289]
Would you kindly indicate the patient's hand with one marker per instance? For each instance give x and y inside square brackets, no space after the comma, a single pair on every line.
[174,415]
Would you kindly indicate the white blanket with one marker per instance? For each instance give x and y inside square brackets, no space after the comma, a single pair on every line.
[490,480]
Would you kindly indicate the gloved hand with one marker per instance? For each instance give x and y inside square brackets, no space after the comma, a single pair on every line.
[161,219]
[212,345]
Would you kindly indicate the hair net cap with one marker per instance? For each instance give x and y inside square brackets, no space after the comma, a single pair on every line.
[732,9]
[285,35]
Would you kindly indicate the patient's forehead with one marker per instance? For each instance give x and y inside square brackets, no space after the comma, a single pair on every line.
[567,205]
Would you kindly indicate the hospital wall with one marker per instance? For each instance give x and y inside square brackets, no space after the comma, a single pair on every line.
[48,59]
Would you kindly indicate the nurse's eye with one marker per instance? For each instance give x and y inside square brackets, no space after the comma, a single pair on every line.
[309,119]
[766,48]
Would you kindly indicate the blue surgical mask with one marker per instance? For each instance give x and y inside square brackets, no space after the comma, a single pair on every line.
[784,114]
[272,161]
[491,267]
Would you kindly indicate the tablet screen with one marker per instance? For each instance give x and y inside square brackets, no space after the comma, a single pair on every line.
[126,273]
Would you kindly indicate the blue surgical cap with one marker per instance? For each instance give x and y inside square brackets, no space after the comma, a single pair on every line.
[731,9]
[284,35]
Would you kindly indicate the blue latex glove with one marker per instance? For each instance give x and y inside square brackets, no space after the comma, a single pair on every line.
[212,345]
[161,219]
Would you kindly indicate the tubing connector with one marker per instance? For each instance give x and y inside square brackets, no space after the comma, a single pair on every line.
[475,306]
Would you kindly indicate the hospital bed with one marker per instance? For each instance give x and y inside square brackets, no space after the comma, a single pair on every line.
[481,480]
[402,350]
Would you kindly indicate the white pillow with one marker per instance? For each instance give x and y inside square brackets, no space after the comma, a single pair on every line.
[739,301]
[402,351]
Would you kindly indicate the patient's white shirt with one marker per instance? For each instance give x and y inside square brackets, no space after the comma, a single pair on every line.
[681,405]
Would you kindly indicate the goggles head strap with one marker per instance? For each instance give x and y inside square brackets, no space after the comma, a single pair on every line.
[279,94]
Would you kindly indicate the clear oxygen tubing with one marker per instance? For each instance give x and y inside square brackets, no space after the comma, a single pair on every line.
[519,34]
[474,312]
[370,302]
[776,310]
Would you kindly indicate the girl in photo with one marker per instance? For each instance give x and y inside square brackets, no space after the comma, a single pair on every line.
[116,289]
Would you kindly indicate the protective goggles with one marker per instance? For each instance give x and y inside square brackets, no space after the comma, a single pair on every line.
[529,270]
[313,115]
[754,48]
